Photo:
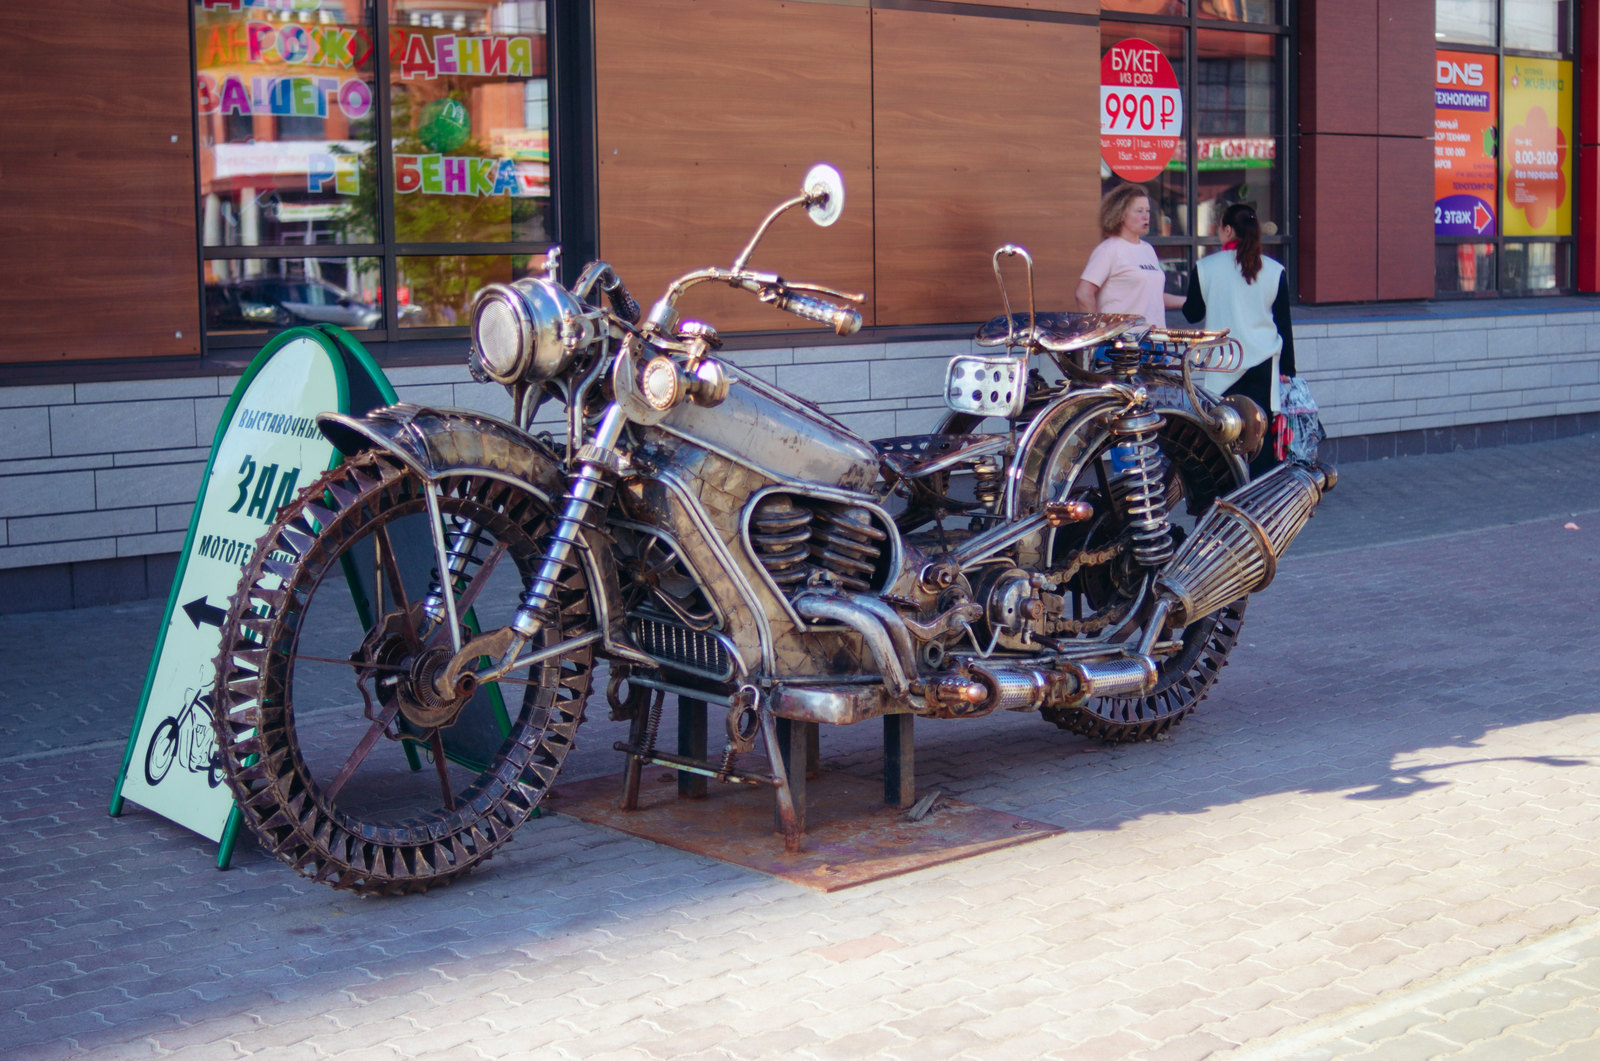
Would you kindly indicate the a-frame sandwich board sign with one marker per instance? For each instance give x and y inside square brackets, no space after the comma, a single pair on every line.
[266,448]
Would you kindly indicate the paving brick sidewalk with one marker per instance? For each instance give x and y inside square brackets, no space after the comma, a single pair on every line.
[1379,836]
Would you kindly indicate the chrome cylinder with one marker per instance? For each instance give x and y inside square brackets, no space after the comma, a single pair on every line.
[588,495]
[1011,690]
[465,538]
[1066,684]
[1127,676]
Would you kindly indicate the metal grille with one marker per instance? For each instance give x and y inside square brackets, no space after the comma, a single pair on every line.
[1234,550]
[695,651]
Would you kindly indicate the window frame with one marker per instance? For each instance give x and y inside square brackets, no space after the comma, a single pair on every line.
[573,217]
[1281,244]
[1567,246]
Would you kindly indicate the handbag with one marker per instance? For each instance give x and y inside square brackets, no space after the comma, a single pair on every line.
[1297,429]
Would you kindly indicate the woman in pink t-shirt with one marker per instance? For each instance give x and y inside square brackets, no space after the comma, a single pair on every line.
[1124,275]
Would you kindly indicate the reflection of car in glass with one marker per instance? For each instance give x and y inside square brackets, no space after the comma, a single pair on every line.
[277,302]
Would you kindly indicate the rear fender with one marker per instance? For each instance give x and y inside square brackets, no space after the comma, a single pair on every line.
[1057,442]
[439,442]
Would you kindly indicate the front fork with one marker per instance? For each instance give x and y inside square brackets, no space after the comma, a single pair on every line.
[588,494]
[584,504]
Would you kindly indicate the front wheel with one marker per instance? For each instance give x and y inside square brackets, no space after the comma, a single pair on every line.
[345,759]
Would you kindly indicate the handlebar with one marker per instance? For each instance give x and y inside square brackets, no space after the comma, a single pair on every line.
[602,275]
[625,305]
[842,319]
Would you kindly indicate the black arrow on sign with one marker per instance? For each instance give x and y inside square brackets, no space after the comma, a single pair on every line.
[199,612]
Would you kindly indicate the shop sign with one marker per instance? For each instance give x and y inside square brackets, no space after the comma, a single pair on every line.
[1464,144]
[1534,165]
[266,449]
[1141,110]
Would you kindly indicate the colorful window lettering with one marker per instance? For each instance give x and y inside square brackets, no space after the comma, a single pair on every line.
[338,137]
[1502,149]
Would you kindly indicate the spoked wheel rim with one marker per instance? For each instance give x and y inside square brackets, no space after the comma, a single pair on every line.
[327,677]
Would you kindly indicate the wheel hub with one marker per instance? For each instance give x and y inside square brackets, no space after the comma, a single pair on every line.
[409,677]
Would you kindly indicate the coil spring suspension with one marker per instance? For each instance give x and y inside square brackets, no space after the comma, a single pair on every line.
[845,542]
[780,531]
[1141,489]
[988,482]
[461,553]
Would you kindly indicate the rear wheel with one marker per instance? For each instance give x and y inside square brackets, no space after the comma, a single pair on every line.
[1197,472]
[346,760]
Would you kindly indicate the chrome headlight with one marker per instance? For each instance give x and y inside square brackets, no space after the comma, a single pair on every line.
[528,330]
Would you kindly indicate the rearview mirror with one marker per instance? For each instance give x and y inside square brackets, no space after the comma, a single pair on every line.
[824,192]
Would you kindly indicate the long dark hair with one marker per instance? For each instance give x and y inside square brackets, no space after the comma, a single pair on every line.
[1247,230]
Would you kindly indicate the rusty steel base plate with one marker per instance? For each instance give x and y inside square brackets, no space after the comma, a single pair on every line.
[852,838]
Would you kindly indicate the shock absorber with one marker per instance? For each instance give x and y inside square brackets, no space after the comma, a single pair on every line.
[989,482]
[1140,486]
[464,541]
[587,497]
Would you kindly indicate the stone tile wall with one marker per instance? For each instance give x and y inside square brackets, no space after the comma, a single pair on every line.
[97,479]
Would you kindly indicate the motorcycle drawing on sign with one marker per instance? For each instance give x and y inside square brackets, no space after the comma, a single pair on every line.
[1081,547]
[184,738]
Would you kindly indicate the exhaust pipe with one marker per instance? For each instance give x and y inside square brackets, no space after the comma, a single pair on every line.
[1232,553]
[1235,549]
[982,688]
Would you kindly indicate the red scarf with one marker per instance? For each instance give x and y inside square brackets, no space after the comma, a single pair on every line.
[1230,245]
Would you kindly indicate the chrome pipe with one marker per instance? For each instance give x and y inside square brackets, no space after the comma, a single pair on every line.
[837,607]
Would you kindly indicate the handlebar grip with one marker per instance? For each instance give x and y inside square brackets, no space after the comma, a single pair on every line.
[622,302]
[842,319]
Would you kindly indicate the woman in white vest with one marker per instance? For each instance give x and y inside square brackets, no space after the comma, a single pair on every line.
[1248,295]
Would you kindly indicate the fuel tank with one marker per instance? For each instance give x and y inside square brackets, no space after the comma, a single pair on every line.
[760,425]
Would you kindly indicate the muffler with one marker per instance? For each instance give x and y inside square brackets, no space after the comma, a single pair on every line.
[980,688]
[1234,551]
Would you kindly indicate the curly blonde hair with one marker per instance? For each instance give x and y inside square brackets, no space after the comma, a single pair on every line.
[1115,206]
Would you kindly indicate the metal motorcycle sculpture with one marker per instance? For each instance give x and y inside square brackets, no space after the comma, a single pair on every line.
[1087,557]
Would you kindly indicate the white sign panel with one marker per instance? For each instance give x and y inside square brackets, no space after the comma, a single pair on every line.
[267,450]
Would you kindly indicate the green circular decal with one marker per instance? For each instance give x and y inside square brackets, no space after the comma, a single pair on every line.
[444,124]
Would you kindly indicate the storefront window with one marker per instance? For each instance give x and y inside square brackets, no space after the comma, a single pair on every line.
[1464,268]
[436,290]
[284,101]
[1168,188]
[1238,120]
[1230,83]
[1538,25]
[291,114]
[1503,159]
[1225,10]
[247,295]
[1466,21]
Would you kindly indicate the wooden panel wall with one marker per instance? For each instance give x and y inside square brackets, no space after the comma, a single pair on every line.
[986,132]
[709,113]
[96,183]
[956,131]
[1366,165]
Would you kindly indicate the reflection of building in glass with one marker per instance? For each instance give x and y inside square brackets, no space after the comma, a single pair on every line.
[291,114]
